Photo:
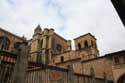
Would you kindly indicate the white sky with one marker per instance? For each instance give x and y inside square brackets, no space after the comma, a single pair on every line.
[69,18]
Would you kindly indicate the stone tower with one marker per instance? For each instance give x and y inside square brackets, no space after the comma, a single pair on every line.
[40,45]
[86,46]
[45,44]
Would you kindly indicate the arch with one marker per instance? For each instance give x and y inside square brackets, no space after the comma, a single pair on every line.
[4,42]
[79,46]
[121,79]
[86,43]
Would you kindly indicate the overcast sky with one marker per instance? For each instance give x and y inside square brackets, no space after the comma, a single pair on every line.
[69,18]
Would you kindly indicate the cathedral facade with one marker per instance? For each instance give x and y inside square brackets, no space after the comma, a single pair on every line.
[47,47]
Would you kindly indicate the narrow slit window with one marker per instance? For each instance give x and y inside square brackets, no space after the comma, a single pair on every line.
[62,58]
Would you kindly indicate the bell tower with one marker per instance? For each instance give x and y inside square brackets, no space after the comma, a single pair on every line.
[35,45]
[86,46]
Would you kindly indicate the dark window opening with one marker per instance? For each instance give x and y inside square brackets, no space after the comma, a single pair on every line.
[62,58]
[86,44]
[79,46]
[116,60]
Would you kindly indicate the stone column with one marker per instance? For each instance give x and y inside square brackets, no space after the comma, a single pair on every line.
[50,46]
[20,68]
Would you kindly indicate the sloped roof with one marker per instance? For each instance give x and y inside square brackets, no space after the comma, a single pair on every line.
[86,35]
[12,34]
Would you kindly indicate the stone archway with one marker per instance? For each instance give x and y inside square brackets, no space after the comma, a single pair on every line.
[121,79]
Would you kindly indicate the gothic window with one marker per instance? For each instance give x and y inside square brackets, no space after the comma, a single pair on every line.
[58,47]
[62,58]
[4,43]
[79,46]
[86,44]
[116,60]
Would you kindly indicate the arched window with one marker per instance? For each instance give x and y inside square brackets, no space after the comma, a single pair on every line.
[79,46]
[62,58]
[4,43]
[86,44]
[58,47]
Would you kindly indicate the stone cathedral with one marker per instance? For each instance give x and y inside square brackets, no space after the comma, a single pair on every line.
[50,48]
[47,47]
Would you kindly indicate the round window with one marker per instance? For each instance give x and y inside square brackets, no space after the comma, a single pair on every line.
[58,47]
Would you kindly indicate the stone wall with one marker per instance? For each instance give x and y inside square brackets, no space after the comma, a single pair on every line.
[100,66]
